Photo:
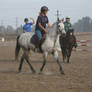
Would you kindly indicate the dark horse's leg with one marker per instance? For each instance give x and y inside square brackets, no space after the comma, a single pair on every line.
[68,54]
[21,63]
[44,62]
[64,54]
[58,62]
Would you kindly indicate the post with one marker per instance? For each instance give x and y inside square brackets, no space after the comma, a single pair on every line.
[17,25]
[58,14]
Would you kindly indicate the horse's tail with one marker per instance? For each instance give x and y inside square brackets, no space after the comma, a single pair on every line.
[17,49]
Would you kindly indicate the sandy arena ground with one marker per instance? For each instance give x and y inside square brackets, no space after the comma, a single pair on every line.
[77,78]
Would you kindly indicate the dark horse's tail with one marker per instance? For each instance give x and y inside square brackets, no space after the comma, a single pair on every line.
[17,49]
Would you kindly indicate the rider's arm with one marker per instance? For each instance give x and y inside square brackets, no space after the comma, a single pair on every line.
[32,20]
[42,27]
[49,25]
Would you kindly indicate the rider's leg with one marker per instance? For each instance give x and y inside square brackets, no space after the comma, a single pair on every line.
[42,40]
[39,36]
[75,41]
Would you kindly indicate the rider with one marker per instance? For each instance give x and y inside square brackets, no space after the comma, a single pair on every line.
[67,26]
[41,24]
[27,25]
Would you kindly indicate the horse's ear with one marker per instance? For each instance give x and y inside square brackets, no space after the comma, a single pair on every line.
[62,19]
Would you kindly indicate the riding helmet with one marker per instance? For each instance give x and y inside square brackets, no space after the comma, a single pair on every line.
[44,8]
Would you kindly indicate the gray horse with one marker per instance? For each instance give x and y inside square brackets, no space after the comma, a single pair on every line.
[50,45]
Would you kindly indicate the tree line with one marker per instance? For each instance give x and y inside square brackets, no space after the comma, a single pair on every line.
[83,25]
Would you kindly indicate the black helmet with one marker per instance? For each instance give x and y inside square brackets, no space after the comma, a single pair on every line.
[44,8]
[26,19]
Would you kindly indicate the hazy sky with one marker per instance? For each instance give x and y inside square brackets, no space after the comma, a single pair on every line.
[10,9]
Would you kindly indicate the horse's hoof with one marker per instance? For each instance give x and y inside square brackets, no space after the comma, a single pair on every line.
[62,72]
[34,72]
[19,72]
[40,73]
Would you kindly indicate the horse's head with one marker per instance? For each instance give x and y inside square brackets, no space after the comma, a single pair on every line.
[60,27]
[70,32]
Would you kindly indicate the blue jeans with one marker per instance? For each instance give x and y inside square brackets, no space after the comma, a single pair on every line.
[38,34]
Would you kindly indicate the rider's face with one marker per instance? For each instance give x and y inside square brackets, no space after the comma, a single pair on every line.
[46,12]
[26,22]
[68,20]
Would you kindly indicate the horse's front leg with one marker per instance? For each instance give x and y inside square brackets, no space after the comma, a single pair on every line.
[58,62]
[64,54]
[68,55]
[44,62]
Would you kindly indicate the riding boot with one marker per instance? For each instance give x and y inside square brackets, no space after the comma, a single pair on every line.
[40,47]
[75,42]
[39,44]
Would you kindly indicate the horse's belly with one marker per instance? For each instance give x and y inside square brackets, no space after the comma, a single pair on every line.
[48,45]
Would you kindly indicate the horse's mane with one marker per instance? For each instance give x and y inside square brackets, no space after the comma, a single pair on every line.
[52,26]
[52,29]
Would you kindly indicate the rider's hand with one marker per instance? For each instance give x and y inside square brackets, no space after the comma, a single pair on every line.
[24,31]
[32,20]
[46,31]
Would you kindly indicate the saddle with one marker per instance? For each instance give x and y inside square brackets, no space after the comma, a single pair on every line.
[37,43]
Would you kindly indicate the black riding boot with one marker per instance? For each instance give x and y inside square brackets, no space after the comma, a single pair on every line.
[75,42]
[75,45]
[39,44]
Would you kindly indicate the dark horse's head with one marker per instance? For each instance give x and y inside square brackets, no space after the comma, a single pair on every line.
[70,32]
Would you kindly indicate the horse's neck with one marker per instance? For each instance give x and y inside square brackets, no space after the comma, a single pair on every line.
[52,34]
[56,40]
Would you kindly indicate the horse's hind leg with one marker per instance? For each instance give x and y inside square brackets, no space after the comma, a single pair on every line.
[68,58]
[28,61]
[58,62]
[21,63]
[44,62]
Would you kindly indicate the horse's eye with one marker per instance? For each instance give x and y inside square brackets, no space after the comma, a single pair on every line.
[58,25]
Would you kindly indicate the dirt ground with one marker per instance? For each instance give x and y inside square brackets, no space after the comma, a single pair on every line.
[77,78]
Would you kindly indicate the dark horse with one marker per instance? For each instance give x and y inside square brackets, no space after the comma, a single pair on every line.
[67,43]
